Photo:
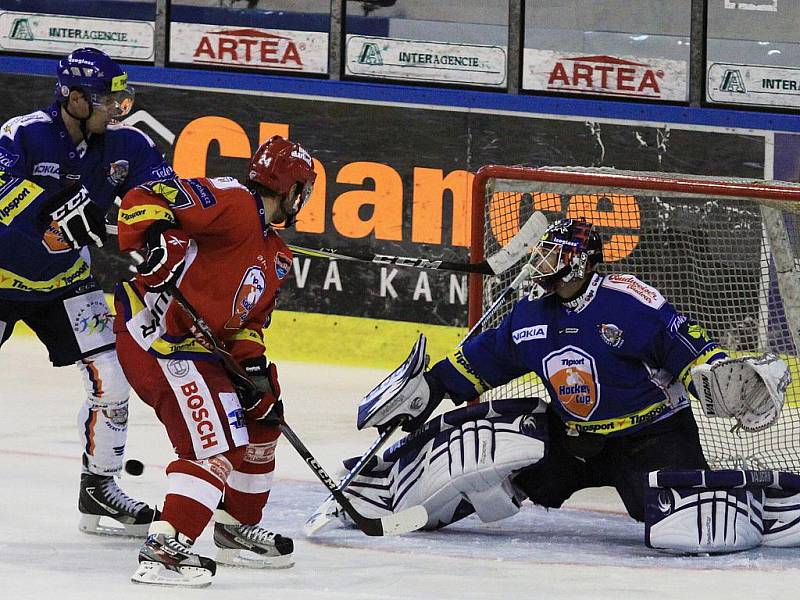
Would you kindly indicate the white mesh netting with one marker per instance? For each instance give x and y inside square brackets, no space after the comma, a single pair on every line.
[721,250]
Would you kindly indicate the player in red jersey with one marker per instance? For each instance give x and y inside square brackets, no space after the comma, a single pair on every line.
[213,239]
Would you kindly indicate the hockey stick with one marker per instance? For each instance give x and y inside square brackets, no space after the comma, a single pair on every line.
[402,522]
[497,263]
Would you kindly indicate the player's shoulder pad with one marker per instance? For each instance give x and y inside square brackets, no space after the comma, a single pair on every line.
[634,287]
[12,126]
[129,132]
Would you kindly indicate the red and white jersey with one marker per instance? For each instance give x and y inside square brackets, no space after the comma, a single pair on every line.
[235,265]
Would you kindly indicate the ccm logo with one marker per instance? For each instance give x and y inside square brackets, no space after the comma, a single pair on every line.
[200,415]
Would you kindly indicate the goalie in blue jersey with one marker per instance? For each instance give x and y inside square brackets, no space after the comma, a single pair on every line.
[618,362]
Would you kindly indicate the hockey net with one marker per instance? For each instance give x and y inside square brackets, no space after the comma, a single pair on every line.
[724,251]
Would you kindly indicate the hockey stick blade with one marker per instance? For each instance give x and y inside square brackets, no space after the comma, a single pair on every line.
[403,522]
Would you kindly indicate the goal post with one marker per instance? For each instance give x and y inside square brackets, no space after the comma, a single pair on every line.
[722,250]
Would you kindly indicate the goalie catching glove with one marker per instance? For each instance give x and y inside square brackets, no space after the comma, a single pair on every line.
[750,389]
[262,402]
[81,221]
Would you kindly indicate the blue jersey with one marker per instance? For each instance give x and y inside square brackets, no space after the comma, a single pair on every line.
[613,361]
[35,262]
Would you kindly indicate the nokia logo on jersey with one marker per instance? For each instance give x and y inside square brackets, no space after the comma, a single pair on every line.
[200,415]
[47,169]
[535,332]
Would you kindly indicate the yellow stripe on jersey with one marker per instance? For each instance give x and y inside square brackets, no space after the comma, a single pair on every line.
[145,212]
[165,349]
[606,426]
[463,366]
[17,200]
[686,375]
[247,335]
[12,281]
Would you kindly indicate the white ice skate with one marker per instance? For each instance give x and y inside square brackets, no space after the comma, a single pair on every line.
[166,558]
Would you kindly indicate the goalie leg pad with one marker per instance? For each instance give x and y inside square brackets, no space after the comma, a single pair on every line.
[103,417]
[700,519]
[782,511]
[463,467]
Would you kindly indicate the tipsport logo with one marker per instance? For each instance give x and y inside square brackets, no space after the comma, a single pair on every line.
[94,318]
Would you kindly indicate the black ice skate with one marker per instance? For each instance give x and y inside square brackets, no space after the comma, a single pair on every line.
[166,558]
[101,498]
[250,545]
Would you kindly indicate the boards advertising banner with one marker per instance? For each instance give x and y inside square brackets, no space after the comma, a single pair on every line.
[754,85]
[387,58]
[249,47]
[396,179]
[619,76]
[60,34]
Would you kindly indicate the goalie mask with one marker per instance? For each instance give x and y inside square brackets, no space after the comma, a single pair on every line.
[286,169]
[568,250]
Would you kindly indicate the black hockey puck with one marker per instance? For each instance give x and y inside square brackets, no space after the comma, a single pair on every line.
[134,467]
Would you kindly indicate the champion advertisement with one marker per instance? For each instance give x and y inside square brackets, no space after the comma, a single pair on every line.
[396,180]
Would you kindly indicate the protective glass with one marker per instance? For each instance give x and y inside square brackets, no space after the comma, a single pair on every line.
[300,197]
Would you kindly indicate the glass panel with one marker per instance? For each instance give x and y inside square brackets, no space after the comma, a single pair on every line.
[753,50]
[448,41]
[627,48]
[124,29]
[273,35]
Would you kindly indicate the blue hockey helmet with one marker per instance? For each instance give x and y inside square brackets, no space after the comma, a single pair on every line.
[565,252]
[102,80]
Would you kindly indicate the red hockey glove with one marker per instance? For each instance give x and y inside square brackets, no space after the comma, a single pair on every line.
[260,403]
[164,263]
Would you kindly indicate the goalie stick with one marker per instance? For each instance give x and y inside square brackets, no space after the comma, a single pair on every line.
[410,519]
[499,262]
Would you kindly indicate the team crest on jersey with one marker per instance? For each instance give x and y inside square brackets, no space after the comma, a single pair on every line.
[117,172]
[283,265]
[573,377]
[247,296]
[611,334]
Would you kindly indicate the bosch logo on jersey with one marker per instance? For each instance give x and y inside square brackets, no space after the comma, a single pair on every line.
[535,332]
[196,404]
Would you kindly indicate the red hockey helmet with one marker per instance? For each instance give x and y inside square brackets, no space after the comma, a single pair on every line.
[285,168]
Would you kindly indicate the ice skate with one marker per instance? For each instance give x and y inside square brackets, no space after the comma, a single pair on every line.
[250,545]
[101,498]
[166,558]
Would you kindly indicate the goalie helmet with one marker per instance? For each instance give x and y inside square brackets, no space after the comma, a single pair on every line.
[284,168]
[103,81]
[568,249]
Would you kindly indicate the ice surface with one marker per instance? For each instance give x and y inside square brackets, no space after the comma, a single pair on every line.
[589,549]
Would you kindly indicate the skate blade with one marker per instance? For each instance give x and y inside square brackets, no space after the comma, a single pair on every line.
[251,560]
[153,573]
[91,524]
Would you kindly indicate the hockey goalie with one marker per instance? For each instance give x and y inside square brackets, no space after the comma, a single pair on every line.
[619,363]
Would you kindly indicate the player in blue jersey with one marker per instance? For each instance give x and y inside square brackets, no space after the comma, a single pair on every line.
[618,362]
[62,168]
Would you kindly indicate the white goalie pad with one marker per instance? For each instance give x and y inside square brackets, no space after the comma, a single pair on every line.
[749,389]
[457,464]
[782,511]
[704,512]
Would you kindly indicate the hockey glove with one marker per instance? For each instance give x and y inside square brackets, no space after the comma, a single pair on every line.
[262,403]
[436,394]
[81,221]
[164,263]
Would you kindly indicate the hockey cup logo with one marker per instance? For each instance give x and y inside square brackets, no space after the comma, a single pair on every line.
[247,296]
[573,377]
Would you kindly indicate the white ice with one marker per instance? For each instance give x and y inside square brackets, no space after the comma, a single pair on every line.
[588,549]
